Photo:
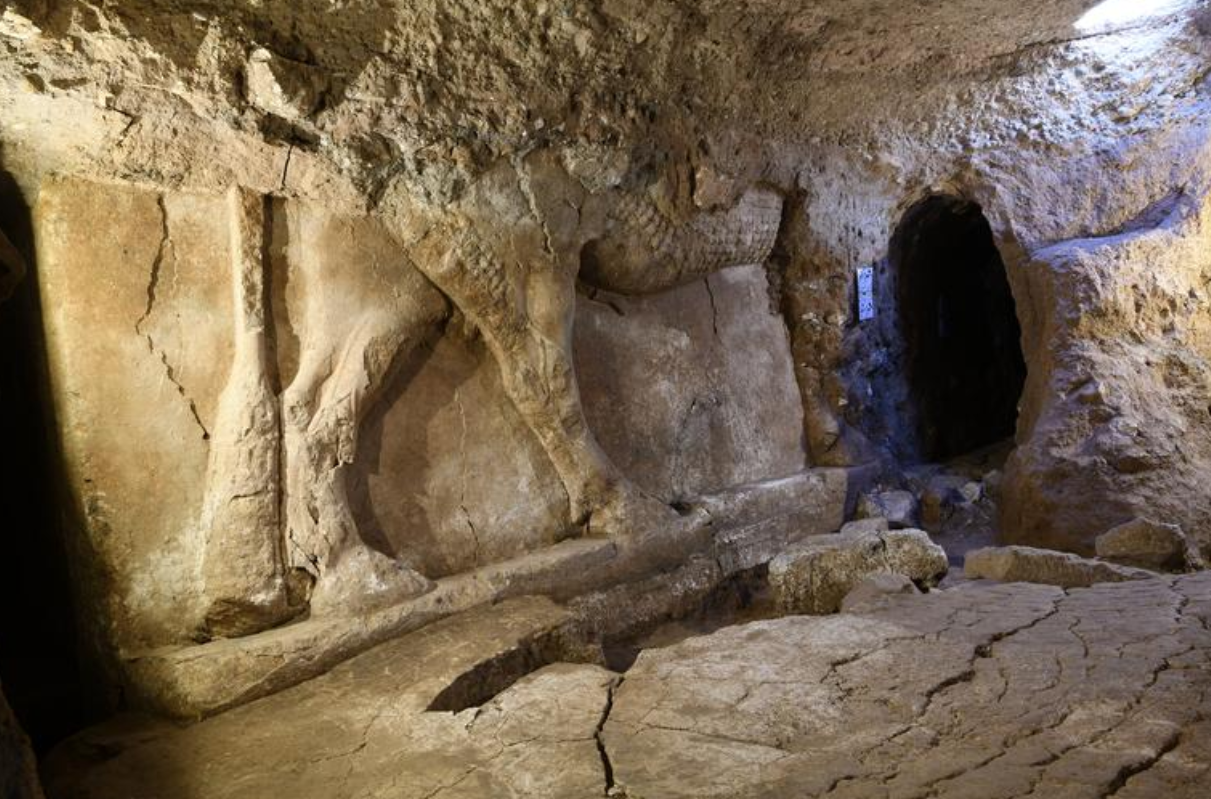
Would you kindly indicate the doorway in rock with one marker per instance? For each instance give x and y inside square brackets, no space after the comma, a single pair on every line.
[962,341]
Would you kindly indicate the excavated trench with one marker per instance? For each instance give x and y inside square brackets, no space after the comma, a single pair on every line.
[737,599]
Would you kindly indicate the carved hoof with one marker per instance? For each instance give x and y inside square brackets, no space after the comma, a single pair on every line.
[364,579]
[234,618]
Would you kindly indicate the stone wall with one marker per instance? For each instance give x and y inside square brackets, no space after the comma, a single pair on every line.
[444,475]
[1117,422]
[692,391]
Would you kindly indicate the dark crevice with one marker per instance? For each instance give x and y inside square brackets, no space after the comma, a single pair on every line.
[1131,769]
[153,284]
[606,766]
[739,598]
[706,281]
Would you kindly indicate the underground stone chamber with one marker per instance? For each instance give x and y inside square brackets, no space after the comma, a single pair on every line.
[962,341]
[473,399]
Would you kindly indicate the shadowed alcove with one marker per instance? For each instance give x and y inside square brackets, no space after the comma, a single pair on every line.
[962,340]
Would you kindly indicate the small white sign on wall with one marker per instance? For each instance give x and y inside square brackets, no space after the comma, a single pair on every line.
[866,293]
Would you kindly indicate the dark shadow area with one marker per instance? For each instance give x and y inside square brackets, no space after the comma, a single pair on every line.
[963,355]
[39,661]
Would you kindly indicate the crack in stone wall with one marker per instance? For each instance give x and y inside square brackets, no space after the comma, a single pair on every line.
[607,767]
[153,284]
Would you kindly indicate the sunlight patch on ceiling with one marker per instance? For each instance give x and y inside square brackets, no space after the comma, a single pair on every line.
[1113,13]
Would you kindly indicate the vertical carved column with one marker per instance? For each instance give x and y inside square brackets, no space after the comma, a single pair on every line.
[242,566]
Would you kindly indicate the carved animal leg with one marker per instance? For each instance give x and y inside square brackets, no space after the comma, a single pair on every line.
[532,346]
[324,408]
[539,376]
[243,586]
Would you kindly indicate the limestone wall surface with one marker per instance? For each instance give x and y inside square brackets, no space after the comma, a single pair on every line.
[437,468]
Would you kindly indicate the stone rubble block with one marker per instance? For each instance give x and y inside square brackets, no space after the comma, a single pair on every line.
[815,576]
[899,508]
[1018,564]
[943,495]
[278,85]
[875,524]
[1149,544]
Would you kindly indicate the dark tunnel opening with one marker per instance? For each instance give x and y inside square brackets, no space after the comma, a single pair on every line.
[962,339]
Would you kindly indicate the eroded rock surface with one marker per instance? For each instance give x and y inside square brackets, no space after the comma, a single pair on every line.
[1121,429]
[986,690]
[364,729]
[1149,545]
[989,691]
[814,575]
[876,589]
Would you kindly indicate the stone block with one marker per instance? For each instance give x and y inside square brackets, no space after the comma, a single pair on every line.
[815,575]
[1018,564]
[136,288]
[692,390]
[1147,544]
[899,508]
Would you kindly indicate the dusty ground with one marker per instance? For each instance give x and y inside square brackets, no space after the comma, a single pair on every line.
[986,690]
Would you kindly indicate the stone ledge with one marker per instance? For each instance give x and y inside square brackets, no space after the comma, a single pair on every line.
[197,681]
[747,524]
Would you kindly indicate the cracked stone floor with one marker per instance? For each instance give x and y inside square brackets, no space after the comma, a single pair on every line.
[983,690]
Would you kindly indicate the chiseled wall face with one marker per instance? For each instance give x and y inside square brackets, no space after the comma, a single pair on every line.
[448,475]
[137,305]
[690,392]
